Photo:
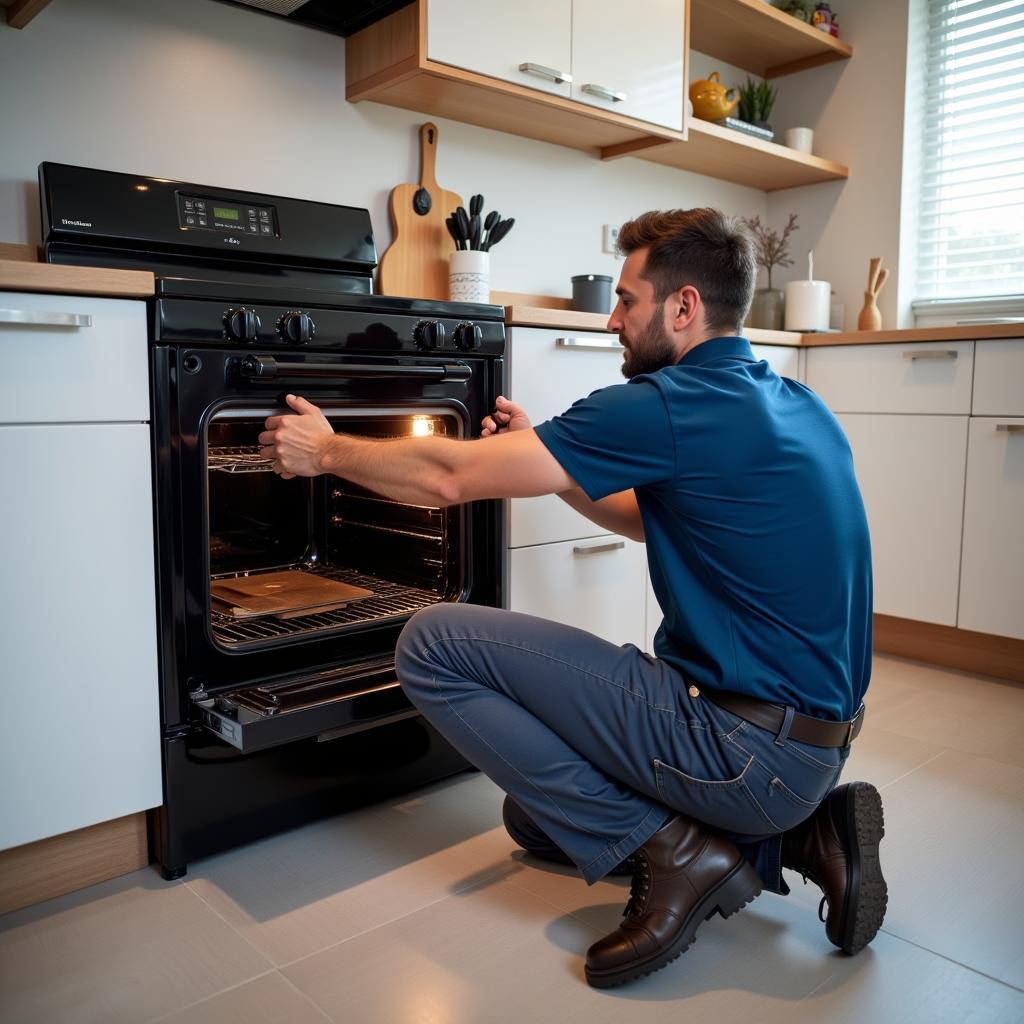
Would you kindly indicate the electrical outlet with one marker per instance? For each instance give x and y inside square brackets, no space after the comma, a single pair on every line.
[611,239]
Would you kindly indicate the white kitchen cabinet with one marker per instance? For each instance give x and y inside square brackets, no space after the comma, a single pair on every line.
[921,377]
[783,359]
[80,737]
[548,371]
[992,578]
[580,49]
[494,38]
[595,584]
[999,378]
[630,64]
[911,475]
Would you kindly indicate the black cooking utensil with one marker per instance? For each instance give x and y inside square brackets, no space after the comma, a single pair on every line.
[499,232]
[476,205]
[462,219]
[492,218]
[474,232]
[453,230]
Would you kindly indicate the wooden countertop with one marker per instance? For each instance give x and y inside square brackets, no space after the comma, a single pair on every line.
[572,320]
[20,271]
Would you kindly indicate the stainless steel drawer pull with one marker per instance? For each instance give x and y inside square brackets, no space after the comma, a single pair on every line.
[1011,428]
[605,93]
[545,72]
[932,353]
[595,549]
[41,317]
[595,344]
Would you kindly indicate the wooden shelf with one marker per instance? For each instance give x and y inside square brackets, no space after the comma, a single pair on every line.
[20,12]
[760,39]
[731,155]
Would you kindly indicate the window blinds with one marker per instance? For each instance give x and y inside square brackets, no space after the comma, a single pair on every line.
[971,230]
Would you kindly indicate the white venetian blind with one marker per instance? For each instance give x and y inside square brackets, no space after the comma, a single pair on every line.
[971,231]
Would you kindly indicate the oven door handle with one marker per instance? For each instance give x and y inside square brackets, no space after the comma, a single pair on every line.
[268,368]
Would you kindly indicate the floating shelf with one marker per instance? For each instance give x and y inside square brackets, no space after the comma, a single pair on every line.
[20,12]
[731,155]
[758,38]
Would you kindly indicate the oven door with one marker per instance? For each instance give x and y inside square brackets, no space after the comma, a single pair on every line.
[227,523]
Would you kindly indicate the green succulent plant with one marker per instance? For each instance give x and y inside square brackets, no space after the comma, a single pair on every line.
[756,101]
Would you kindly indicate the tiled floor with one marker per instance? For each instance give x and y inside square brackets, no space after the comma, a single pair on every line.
[420,911]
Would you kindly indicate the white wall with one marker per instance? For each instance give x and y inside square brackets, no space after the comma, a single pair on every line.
[856,110]
[204,92]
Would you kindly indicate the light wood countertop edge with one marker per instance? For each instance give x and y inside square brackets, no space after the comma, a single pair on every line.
[22,275]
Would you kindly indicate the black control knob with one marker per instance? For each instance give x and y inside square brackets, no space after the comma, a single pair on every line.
[429,334]
[296,328]
[242,324]
[468,337]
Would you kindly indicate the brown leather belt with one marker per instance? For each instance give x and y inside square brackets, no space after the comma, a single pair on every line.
[803,728]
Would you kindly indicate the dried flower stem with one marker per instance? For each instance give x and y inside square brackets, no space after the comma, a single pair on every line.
[771,248]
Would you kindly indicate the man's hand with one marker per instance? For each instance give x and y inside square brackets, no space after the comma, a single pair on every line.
[506,416]
[296,443]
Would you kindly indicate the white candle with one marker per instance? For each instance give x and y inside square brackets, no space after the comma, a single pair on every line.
[807,305]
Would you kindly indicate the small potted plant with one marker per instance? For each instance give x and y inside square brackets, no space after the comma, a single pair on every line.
[756,102]
[771,249]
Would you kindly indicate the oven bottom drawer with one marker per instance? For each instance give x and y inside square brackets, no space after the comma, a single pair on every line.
[323,705]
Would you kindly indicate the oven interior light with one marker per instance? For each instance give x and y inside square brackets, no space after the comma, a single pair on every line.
[422,426]
[141,188]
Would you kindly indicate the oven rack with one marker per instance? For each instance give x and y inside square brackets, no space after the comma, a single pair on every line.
[238,459]
[389,600]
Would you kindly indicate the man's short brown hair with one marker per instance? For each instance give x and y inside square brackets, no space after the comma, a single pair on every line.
[702,248]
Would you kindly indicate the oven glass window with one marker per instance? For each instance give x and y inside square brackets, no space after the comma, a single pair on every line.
[291,557]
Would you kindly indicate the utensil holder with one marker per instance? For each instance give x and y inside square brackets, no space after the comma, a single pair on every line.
[592,293]
[469,276]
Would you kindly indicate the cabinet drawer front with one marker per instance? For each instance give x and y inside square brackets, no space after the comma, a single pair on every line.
[932,377]
[999,378]
[494,38]
[549,370]
[630,65]
[992,578]
[783,359]
[80,742]
[911,474]
[71,359]
[596,585]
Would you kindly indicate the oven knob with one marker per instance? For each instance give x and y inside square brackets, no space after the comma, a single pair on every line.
[468,337]
[242,324]
[429,334]
[296,328]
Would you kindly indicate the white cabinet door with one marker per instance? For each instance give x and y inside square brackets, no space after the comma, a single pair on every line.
[80,733]
[548,371]
[911,474]
[630,60]
[783,359]
[999,378]
[494,38]
[596,585]
[992,578]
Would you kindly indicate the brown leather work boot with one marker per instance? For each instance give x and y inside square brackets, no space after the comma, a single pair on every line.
[682,875]
[837,849]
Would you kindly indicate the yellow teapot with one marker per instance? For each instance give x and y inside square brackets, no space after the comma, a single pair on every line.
[711,100]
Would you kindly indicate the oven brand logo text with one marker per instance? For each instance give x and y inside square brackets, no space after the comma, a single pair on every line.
[76,223]
[233,241]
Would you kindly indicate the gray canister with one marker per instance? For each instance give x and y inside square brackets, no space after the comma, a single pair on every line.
[592,293]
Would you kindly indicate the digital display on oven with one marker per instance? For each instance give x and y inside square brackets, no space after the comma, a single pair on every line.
[205,213]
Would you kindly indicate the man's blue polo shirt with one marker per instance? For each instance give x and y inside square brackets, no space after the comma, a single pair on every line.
[756,535]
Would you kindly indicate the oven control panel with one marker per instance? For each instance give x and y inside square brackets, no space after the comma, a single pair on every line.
[214,214]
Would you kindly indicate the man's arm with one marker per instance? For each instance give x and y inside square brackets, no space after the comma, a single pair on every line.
[425,470]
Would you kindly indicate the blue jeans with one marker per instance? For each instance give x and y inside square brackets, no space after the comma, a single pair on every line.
[600,744]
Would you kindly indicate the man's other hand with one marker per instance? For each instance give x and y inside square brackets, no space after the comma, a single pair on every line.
[295,443]
[506,416]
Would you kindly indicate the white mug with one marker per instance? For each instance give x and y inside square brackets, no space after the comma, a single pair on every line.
[469,276]
[800,139]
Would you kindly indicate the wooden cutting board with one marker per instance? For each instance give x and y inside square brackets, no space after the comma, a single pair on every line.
[284,594]
[416,264]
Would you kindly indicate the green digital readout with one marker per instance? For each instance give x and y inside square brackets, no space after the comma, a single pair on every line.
[226,213]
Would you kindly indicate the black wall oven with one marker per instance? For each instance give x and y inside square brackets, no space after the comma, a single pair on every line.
[280,601]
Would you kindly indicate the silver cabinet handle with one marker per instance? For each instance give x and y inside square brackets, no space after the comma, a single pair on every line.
[595,549]
[595,344]
[544,72]
[932,353]
[1011,428]
[32,316]
[605,93]
[991,320]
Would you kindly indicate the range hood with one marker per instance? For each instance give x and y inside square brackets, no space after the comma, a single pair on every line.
[341,19]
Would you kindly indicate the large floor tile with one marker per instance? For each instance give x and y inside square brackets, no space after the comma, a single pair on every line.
[296,893]
[124,951]
[270,999]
